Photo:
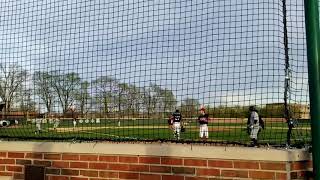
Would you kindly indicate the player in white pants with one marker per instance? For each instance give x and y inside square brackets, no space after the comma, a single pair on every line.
[56,124]
[254,126]
[203,120]
[176,120]
[74,123]
[38,126]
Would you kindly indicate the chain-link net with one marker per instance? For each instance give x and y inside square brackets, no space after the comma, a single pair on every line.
[117,70]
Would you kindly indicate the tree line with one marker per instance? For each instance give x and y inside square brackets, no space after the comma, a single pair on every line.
[105,96]
[57,90]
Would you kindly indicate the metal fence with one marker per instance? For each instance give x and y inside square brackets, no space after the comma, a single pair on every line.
[117,70]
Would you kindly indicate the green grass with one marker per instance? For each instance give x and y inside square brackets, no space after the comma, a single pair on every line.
[274,133]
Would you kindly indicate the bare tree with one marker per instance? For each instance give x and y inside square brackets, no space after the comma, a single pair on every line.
[135,99]
[12,78]
[157,99]
[66,86]
[82,97]
[44,88]
[26,103]
[106,93]
[190,107]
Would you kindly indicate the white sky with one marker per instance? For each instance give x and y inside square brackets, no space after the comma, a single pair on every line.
[218,51]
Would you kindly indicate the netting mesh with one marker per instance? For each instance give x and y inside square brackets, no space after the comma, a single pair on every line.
[116,70]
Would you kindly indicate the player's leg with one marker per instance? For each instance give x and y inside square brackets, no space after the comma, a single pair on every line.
[38,128]
[200,131]
[36,131]
[176,130]
[254,135]
[174,125]
[206,132]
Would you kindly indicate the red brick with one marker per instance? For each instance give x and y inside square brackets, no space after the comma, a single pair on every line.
[43,163]
[119,167]
[310,165]
[88,157]
[171,161]
[53,171]
[60,164]
[272,166]
[219,163]
[23,161]
[2,168]
[78,178]
[139,168]
[194,162]
[160,169]
[14,168]
[89,173]
[261,175]
[149,160]
[234,173]
[128,159]
[281,175]
[208,172]
[301,174]
[172,177]
[246,165]
[183,170]
[108,174]
[15,155]
[74,157]
[293,175]
[70,172]
[150,177]
[124,175]
[6,173]
[83,165]
[194,178]
[7,161]
[301,165]
[102,166]
[52,156]
[3,154]
[218,178]
[18,176]
[58,177]
[34,155]
[109,158]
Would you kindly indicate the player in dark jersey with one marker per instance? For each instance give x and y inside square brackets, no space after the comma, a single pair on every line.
[175,122]
[203,120]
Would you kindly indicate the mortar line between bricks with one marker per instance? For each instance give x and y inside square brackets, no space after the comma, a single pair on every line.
[288,168]
[269,170]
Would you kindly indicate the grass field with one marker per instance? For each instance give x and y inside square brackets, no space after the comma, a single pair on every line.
[155,129]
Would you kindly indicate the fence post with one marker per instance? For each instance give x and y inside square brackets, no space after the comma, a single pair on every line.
[313,50]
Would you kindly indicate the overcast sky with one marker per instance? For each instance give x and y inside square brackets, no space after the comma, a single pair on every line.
[218,51]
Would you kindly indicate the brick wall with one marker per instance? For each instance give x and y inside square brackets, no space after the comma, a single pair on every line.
[72,166]
[154,161]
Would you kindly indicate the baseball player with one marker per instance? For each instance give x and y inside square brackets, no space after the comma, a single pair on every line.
[74,123]
[176,119]
[56,123]
[203,120]
[72,108]
[38,125]
[253,125]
